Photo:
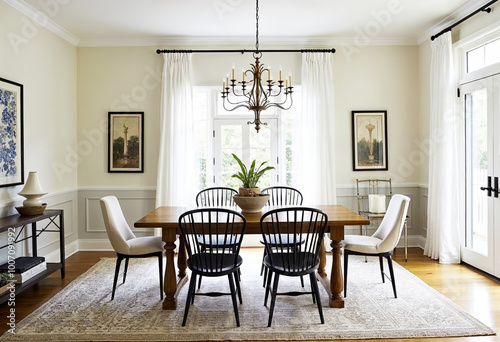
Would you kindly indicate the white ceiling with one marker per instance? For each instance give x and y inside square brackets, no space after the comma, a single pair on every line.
[189,22]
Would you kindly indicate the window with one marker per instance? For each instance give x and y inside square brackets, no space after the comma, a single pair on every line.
[221,133]
[483,55]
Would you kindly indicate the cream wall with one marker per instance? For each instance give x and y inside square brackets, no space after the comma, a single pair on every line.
[46,66]
[379,77]
[376,78]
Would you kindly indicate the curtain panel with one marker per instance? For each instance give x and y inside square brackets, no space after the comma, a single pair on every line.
[175,185]
[443,214]
[316,171]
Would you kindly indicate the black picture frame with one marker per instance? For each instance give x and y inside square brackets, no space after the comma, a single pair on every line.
[369,140]
[11,133]
[126,126]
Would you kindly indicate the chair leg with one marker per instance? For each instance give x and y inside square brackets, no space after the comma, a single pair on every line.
[302,281]
[192,285]
[233,297]
[238,285]
[268,285]
[273,298]
[160,266]
[126,268]
[391,271]
[199,283]
[119,259]
[381,262]
[262,265]
[314,285]
[346,261]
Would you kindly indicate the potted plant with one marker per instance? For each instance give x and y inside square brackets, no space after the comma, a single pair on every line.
[249,177]
[249,199]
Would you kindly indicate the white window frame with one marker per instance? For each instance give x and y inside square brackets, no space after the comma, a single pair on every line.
[472,42]
[278,150]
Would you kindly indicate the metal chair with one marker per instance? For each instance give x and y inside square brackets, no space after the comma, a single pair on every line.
[382,242]
[303,224]
[125,243]
[213,259]
[279,196]
[367,187]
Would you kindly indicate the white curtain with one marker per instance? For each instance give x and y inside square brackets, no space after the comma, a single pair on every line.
[317,153]
[443,214]
[176,176]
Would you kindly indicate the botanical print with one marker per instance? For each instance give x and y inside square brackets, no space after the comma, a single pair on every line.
[11,133]
[8,133]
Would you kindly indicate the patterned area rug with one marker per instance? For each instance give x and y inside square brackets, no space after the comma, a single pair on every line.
[83,310]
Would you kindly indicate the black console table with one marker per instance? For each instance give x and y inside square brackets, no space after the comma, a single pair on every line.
[56,220]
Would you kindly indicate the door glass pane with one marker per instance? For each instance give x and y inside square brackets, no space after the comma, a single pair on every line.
[260,150]
[231,142]
[476,112]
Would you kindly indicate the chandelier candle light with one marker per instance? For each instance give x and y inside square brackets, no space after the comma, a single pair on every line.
[256,96]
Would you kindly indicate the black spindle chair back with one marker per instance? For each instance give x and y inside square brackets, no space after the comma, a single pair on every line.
[283,195]
[216,197]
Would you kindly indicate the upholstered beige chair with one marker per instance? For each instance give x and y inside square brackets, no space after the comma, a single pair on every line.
[125,243]
[382,242]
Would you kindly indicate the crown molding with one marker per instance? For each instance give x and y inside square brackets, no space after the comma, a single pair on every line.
[247,42]
[43,20]
[460,13]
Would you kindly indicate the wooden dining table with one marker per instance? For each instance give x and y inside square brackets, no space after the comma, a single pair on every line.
[167,218]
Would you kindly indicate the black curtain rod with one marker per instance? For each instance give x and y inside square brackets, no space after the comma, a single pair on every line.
[482,9]
[243,51]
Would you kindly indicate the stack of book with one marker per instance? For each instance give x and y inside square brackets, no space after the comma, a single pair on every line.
[25,268]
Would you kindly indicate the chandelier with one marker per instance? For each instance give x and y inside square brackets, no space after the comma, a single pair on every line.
[253,94]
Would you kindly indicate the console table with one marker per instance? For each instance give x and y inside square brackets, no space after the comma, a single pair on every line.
[10,224]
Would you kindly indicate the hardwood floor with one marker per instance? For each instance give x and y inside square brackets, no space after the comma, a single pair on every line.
[474,292]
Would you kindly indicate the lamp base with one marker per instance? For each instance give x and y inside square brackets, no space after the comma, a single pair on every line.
[28,211]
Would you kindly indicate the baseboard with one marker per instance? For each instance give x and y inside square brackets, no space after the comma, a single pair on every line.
[71,248]
[94,245]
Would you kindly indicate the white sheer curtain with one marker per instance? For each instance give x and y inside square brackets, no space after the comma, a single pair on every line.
[443,214]
[317,154]
[176,176]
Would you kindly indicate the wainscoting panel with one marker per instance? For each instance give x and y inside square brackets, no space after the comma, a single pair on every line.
[48,242]
[135,204]
[138,202]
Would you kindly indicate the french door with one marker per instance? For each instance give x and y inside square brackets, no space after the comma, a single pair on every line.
[481,238]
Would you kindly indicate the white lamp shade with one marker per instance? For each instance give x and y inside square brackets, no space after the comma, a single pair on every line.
[32,190]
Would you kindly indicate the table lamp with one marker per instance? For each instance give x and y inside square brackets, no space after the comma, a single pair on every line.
[32,190]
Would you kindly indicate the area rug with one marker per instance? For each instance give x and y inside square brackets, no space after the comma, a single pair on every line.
[83,311]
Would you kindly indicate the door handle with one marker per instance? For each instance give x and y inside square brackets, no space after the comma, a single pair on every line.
[488,188]
[496,190]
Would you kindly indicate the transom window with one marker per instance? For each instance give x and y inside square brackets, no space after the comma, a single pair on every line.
[483,55]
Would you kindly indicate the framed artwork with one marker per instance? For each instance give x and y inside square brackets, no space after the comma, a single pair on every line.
[369,140]
[11,133]
[125,141]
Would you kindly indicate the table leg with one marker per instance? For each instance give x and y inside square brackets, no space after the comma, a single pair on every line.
[335,286]
[337,282]
[171,285]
